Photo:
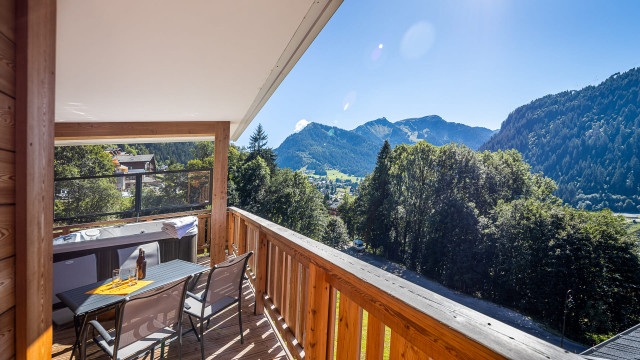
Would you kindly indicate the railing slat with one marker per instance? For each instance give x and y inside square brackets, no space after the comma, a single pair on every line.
[277,294]
[261,269]
[401,349]
[349,329]
[285,287]
[304,292]
[294,294]
[271,282]
[315,345]
[375,338]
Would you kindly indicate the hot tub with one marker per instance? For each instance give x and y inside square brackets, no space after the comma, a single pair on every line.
[106,241]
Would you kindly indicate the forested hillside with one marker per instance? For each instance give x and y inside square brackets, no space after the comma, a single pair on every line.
[484,224]
[588,141]
[321,147]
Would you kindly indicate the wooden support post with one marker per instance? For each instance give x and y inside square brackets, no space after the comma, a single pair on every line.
[315,345]
[35,90]
[219,201]
[261,272]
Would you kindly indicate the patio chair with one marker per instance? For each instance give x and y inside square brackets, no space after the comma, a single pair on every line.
[145,321]
[223,289]
[127,257]
[67,275]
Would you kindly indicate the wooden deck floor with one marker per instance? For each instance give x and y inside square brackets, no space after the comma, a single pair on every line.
[222,340]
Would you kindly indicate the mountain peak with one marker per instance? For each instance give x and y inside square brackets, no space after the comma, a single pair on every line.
[320,146]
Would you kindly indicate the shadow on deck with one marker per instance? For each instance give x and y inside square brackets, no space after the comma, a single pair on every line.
[222,339]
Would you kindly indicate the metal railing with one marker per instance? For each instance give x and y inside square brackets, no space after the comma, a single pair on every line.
[187,195]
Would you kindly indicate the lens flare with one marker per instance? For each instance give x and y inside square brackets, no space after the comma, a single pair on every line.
[348,100]
[417,40]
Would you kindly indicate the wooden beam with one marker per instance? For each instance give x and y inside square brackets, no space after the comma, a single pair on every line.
[139,129]
[219,201]
[35,90]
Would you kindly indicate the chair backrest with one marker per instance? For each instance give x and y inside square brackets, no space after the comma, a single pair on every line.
[225,279]
[73,273]
[127,257]
[149,312]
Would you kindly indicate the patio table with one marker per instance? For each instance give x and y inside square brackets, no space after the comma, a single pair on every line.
[83,304]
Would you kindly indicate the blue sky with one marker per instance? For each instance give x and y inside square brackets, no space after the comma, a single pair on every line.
[469,61]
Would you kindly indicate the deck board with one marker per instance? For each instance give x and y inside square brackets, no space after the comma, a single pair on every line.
[222,339]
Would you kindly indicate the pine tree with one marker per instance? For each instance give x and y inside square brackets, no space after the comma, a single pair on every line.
[377,223]
[258,148]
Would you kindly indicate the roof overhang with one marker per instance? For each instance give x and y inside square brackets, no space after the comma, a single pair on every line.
[174,61]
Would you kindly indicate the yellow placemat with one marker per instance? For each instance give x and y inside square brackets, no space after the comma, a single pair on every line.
[123,289]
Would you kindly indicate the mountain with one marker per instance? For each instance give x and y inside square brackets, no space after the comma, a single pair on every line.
[321,147]
[433,129]
[588,141]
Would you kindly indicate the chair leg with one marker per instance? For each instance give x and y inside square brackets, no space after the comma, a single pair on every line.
[240,320]
[193,327]
[202,337]
[179,341]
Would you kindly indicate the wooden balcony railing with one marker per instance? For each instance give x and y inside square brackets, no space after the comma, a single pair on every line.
[297,279]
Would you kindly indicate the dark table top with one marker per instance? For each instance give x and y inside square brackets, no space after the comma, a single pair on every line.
[81,303]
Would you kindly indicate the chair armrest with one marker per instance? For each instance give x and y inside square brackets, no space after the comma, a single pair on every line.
[194,296]
[105,335]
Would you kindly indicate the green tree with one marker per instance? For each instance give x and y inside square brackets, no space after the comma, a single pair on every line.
[203,150]
[258,148]
[252,188]
[75,198]
[335,234]
[295,203]
[376,193]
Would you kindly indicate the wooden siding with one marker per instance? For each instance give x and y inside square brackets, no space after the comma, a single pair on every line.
[7,179]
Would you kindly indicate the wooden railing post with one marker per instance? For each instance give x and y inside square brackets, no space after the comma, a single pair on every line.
[315,345]
[261,272]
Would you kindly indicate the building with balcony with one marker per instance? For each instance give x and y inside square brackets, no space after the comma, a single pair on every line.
[77,72]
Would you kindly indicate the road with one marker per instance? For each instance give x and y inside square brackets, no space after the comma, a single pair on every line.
[488,308]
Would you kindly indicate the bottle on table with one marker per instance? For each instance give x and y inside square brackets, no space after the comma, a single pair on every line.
[141,265]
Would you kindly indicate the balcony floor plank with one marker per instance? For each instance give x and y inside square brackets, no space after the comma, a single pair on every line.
[222,340]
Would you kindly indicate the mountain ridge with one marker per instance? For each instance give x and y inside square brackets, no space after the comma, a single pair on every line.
[321,147]
[587,141]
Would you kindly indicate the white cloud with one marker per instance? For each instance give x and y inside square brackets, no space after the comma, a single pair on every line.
[301,124]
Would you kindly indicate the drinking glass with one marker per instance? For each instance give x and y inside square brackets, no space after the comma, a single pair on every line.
[115,278]
[133,277]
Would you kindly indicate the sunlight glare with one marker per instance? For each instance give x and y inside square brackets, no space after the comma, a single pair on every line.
[417,40]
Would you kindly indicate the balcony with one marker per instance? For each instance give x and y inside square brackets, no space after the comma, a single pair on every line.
[325,304]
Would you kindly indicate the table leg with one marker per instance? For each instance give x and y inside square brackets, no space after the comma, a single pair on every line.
[78,324]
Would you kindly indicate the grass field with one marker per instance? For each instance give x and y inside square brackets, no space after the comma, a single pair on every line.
[633,228]
[333,175]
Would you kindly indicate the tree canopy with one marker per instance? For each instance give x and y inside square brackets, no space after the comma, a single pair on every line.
[484,224]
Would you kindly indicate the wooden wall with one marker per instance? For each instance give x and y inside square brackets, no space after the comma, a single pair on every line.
[7,178]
